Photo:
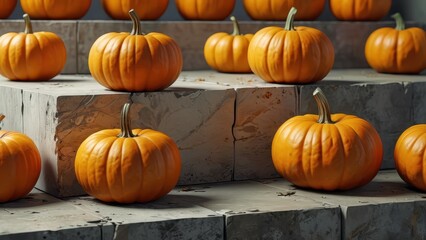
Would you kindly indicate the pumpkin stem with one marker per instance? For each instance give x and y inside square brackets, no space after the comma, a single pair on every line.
[28,25]
[236,31]
[1,119]
[136,30]
[324,115]
[126,131]
[400,24]
[289,24]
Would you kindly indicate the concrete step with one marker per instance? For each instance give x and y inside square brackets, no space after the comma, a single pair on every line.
[348,37]
[59,114]
[386,208]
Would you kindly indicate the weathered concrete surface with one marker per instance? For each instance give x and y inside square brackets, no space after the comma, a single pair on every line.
[66,30]
[386,208]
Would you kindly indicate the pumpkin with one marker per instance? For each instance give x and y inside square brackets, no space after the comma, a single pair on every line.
[56,10]
[31,56]
[20,165]
[7,7]
[360,10]
[271,10]
[145,9]
[397,50]
[125,165]
[410,157]
[135,61]
[327,151]
[291,55]
[205,9]
[228,52]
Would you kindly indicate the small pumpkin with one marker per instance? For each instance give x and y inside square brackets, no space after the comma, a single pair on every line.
[327,151]
[205,9]
[7,7]
[360,10]
[145,9]
[135,61]
[397,50]
[20,164]
[56,10]
[293,55]
[228,52]
[276,10]
[125,165]
[31,56]
[410,157]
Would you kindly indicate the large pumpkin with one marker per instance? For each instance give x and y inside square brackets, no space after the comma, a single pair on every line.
[277,9]
[295,55]
[7,7]
[205,9]
[397,50]
[134,61]
[20,165]
[31,56]
[146,9]
[56,9]
[125,165]
[327,151]
[228,52]
[410,156]
[360,10]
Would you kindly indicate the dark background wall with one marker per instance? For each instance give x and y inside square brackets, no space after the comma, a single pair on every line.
[414,10]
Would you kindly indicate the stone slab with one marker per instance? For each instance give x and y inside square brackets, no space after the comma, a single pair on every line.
[40,216]
[386,208]
[67,30]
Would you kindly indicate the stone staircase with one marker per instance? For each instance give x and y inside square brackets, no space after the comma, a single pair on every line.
[223,125]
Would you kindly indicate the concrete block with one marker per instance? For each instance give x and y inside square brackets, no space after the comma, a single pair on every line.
[387,106]
[67,30]
[40,216]
[386,208]
[259,112]
[166,218]
[11,107]
[419,102]
[254,210]
[203,131]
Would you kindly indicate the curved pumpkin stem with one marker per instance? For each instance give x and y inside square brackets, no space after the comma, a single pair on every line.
[28,25]
[289,24]
[236,31]
[136,30]
[400,24]
[1,118]
[323,107]
[126,131]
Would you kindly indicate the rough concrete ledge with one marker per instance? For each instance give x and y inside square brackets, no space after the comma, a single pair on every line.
[59,114]
[386,208]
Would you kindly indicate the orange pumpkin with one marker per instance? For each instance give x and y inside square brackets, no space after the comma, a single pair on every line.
[360,10]
[31,56]
[20,165]
[410,157]
[291,55]
[397,50]
[327,151]
[54,9]
[146,9]
[277,9]
[7,7]
[134,61]
[125,165]
[228,52]
[205,9]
